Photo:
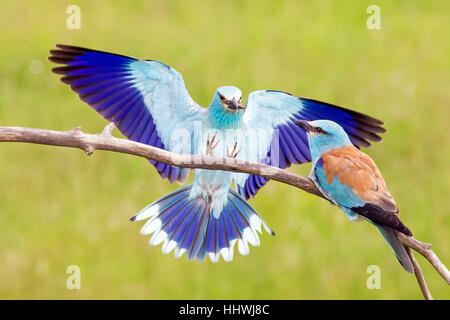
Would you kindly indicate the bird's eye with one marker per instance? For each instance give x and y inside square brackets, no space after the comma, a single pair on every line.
[320,130]
[221,96]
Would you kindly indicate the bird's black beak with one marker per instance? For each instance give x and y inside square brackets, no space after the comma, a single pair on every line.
[304,125]
[235,105]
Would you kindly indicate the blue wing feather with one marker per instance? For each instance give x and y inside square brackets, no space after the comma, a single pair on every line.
[277,110]
[147,100]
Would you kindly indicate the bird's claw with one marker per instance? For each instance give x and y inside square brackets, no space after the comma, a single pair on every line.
[210,145]
[234,153]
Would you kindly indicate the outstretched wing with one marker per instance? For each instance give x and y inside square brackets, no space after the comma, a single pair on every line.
[287,143]
[353,180]
[147,100]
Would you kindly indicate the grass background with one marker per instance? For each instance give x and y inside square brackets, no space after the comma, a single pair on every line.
[58,207]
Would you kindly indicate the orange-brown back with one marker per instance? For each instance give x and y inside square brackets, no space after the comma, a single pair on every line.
[359,172]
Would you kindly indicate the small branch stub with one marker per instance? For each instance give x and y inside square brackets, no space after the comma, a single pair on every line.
[89,149]
[109,128]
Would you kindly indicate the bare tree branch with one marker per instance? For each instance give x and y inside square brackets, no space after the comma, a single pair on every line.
[425,250]
[419,275]
[105,141]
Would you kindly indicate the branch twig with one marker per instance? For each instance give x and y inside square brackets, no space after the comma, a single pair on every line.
[419,275]
[105,141]
[425,250]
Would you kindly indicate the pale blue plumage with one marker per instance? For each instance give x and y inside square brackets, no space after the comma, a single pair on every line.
[165,95]
[149,103]
[219,119]
[340,193]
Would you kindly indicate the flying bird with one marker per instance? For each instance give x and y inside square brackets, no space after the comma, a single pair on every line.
[148,102]
[350,179]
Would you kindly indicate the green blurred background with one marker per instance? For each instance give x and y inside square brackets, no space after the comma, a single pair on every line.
[59,208]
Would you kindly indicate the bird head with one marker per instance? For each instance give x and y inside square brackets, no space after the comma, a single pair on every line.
[323,136]
[230,98]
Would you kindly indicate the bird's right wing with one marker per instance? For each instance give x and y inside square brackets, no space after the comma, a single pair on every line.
[274,112]
[147,100]
[351,179]
[354,181]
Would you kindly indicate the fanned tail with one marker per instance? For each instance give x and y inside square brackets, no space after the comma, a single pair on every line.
[186,224]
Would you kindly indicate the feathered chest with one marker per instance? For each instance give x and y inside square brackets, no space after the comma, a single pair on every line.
[222,141]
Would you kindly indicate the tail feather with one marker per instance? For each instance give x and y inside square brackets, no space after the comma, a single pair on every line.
[396,245]
[246,227]
[202,252]
[186,215]
[152,209]
[193,238]
[186,224]
[200,234]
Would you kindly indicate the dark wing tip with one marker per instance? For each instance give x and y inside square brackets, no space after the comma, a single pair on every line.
[66,69]
[383,218]
[359,142]
[74,49]
[365,118]
[356,115]
[367,128]
[59,60]
[65,54]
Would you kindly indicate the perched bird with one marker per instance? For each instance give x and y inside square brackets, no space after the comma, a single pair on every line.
[149,103]
[351,180]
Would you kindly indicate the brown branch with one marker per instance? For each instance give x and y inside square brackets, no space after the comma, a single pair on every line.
[425,250]
[105,141]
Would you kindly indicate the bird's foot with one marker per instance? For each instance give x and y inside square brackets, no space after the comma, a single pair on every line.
[234,153]
[210,145]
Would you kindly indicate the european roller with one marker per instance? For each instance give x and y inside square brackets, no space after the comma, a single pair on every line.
[350,179]
[148,102]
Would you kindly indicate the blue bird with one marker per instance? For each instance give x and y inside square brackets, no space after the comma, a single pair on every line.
[350,179]
[149,103]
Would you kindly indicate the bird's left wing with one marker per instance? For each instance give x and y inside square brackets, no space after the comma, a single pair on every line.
[286,143]
[147,100]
